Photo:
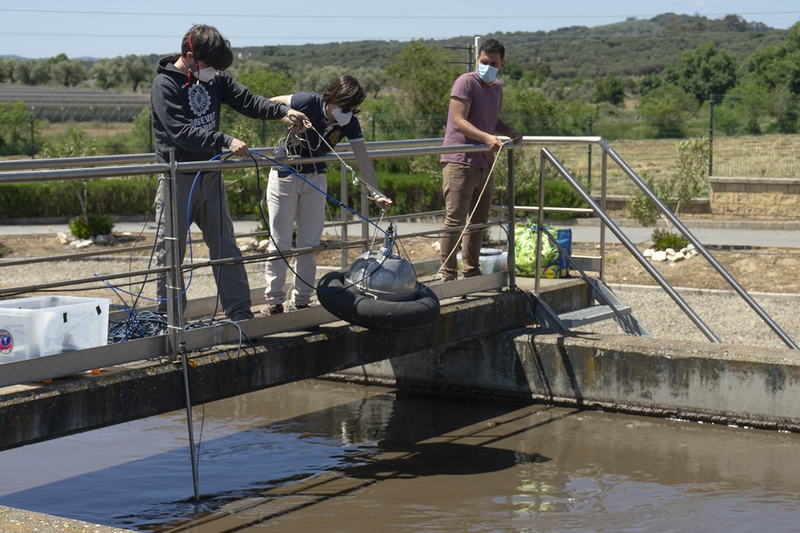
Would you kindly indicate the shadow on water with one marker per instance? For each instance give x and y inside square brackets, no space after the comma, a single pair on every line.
[321,456]
[350,438]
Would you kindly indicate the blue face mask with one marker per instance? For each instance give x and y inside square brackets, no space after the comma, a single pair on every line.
[487,73]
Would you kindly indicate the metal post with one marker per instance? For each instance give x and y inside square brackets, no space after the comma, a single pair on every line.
[512,280]
[712,99]
[603,184]
[33,137]
[152,147]
[539,224]
[175,304]
[589,169]
[343,188]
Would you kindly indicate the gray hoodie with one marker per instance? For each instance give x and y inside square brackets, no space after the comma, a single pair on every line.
[186,113]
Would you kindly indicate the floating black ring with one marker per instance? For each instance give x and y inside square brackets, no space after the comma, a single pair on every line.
[346,302]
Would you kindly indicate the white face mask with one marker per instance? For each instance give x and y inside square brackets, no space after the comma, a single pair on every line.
[206,74]
[487,73]
[341,118]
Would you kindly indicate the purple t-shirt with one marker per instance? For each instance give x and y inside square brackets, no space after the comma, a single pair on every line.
[484,111]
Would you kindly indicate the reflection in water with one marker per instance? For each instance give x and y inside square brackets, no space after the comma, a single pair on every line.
[318,456]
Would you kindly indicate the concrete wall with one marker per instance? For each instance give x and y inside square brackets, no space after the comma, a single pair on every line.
[739,198]
[755,198]
[698,381]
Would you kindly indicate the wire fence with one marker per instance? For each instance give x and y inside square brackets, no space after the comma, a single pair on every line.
[650,147]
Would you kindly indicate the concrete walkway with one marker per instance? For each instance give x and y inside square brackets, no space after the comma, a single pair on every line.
[708,232]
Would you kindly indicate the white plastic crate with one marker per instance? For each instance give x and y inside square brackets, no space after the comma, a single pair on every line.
[47,325]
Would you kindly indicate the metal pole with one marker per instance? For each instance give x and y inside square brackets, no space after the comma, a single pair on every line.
[603,185]
[589,169]
[539,224]
[33,137]
[512,280]
[175,305]
[343,212]
[150,145]
[711,101]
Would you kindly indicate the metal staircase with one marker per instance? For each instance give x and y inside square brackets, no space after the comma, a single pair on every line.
[608,307]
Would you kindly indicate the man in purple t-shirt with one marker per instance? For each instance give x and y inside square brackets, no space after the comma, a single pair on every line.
[474,118]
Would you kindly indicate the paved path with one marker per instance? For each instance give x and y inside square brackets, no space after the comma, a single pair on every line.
[741,234]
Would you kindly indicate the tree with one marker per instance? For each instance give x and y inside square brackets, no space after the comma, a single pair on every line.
[743,109]
[136,70]
[703,71]
[316,79]
[610,90]
[776,68]
[666,110]
[424,75]
[650,82]
[265,83]
[107,73]
[6,70]
[372,79]
[68,73]
[15,126]
[39,73]
[777,65]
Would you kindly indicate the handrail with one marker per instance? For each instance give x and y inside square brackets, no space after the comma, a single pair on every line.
[144,164]
[546,154]
[662,207]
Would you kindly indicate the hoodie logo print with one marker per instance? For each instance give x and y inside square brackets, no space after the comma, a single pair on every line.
[199,99]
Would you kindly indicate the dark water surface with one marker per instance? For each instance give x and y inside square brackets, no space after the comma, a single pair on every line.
[329,457]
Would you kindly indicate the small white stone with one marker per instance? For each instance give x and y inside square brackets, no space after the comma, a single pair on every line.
[659,256]
[262,245]
[670,251]
[676,257]
[436,247]
[81,244]
[648,252]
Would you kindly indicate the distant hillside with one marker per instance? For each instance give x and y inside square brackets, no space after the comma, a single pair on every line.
[634,47]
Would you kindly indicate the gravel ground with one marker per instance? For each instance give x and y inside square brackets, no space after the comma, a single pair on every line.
[724,312]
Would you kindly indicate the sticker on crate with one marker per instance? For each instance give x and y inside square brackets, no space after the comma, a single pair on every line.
[6,342]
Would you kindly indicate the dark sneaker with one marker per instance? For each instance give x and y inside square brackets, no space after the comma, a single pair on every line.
[238,317]
[272,309]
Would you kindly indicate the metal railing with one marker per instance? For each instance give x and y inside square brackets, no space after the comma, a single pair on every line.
[599,210]
[144,164]
[177,340]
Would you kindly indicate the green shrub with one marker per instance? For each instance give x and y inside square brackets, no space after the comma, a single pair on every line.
[557,193]
[96,225]
[663,239]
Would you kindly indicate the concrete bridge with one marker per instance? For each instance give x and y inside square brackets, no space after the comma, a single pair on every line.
[484,344]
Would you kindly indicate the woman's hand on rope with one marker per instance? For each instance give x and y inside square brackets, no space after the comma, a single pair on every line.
[382,201]
[297,120]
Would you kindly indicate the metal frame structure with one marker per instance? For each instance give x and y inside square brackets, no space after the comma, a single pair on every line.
[180,341]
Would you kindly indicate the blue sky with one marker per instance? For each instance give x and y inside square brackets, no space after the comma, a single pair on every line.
[82,28]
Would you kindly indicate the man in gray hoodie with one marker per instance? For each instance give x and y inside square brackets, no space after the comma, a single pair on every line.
[186,100]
